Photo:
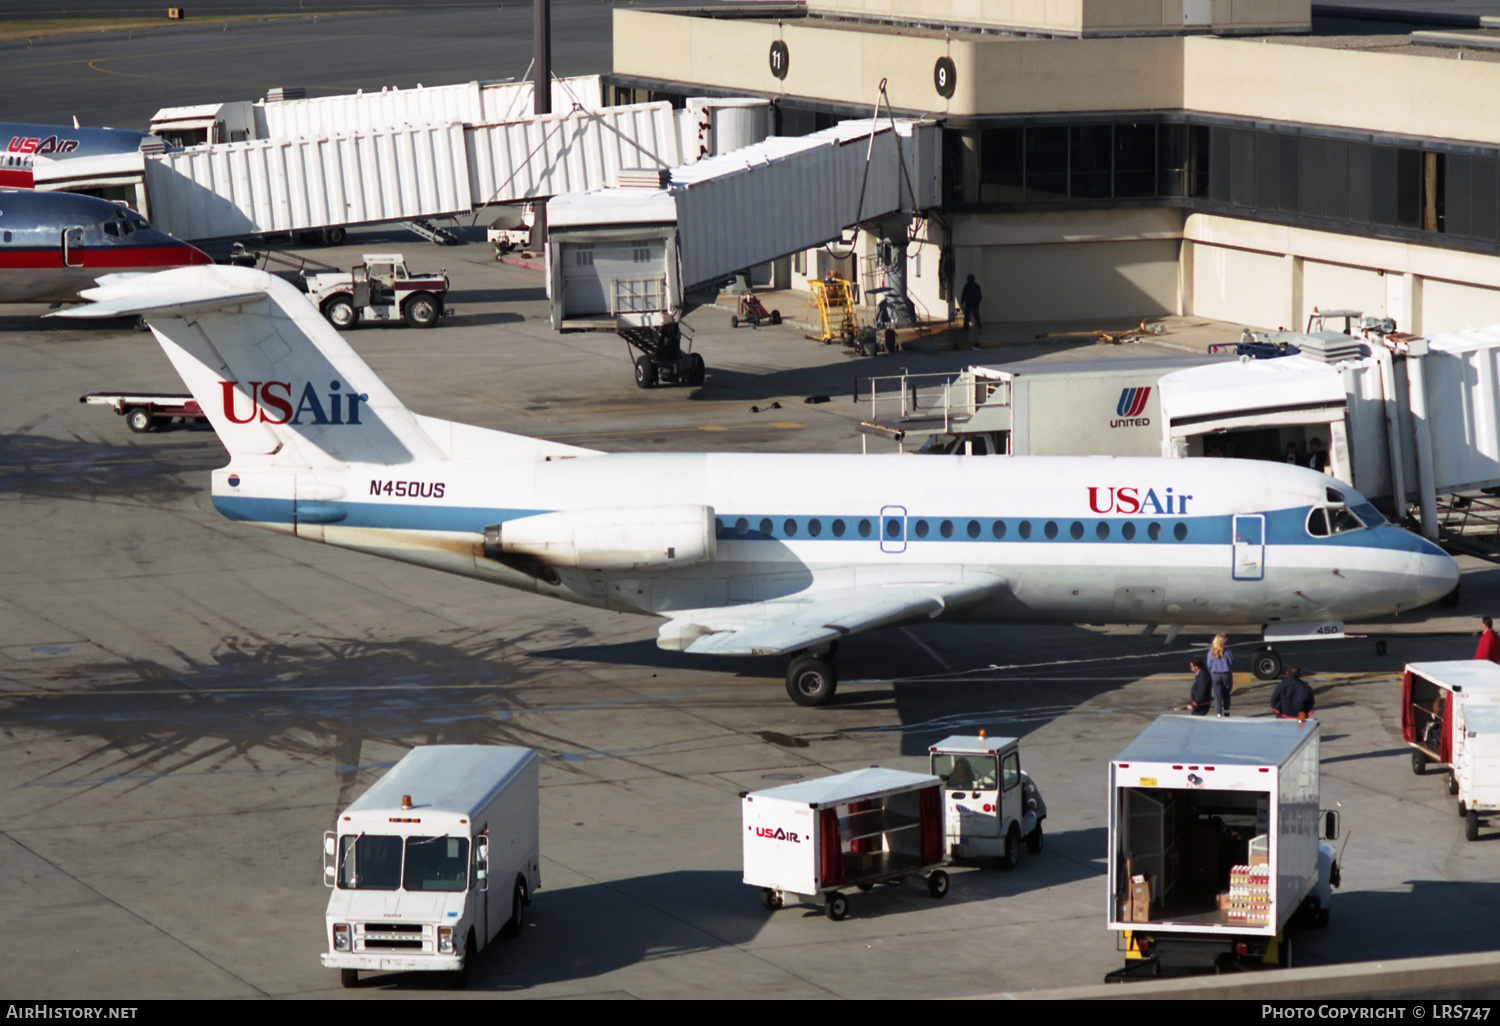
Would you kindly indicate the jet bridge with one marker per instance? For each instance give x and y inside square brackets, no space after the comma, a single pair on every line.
[631,256]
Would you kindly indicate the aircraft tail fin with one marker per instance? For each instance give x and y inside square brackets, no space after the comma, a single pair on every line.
[268,371]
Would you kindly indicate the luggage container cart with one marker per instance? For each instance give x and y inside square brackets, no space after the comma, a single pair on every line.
[806,842]
[1476,763]
[1430,693]
[991,805]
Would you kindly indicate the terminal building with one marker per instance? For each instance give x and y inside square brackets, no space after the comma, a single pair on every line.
[1134,158]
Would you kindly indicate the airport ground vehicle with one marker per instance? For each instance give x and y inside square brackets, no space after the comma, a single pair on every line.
[148,411]
[511,229]
[1079,408]
[807,842]
[1213,844]
[752,311]
[1476,763]
[380,289]
[991,805]
[433,862]
[1430,696]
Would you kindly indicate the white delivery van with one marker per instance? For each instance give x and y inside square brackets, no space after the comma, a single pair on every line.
[991,804]
[433,861]
[1476,763]
[1214,844]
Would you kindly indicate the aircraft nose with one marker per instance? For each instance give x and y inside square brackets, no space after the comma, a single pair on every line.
[1435,573]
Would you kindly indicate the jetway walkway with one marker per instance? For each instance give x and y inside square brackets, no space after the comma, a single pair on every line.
[399,173]
[714,218]
[719,216]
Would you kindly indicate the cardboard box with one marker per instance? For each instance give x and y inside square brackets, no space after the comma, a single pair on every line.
[1140,899]
[1260,860]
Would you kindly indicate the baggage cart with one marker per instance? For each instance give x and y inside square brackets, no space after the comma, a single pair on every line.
[148,411]
[1429,694]
[808,842]
[1476,763]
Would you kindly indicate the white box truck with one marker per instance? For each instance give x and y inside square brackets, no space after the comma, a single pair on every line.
[1476,763]
[434,861]
[1214,844]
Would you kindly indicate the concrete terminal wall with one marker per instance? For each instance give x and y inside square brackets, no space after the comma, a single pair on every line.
[1086,17]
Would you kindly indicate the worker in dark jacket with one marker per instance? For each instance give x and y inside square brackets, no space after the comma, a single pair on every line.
[1201,697]
[1293,699]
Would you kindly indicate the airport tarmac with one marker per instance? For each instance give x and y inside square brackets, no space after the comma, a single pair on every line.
[186,703]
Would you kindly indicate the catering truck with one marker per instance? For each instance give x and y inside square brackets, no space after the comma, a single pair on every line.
[1108,407]
[1214,844]
[433,862]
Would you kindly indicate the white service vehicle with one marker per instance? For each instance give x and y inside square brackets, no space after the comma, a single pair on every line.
[1476,763]
[433,862]
[511,229]
[1213,844]
[991,805]
[806,842]
[380,289]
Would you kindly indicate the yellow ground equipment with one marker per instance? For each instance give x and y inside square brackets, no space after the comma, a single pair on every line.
[834,299]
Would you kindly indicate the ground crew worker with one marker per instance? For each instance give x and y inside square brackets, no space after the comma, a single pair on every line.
[1489,643]
[1293,699]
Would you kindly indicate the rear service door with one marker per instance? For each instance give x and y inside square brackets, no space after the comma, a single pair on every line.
[1249,548]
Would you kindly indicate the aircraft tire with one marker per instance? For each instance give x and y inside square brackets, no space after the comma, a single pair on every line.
[811,680]
[1266,664]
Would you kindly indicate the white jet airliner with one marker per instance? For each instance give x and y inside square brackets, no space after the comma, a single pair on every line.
[748,554]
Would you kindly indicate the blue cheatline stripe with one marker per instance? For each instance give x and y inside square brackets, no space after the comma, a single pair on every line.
[1283,527]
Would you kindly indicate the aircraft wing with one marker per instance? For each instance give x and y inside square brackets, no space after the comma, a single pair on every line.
[805,620]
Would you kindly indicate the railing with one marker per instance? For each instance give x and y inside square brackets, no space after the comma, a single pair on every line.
[640,295]
[945,396]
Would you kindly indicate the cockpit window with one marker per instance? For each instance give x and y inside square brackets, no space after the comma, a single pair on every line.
[1369,515]
[126,227]
[1335,496]
[1322,522]
[111,229]
[139,224]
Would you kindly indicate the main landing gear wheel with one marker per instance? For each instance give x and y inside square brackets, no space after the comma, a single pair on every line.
[811,680]
[1266,665]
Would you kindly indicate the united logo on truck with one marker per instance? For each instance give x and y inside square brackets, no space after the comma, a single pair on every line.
[1128,410]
